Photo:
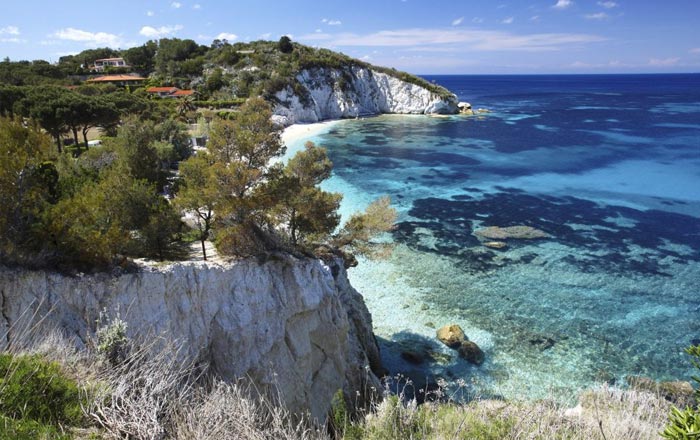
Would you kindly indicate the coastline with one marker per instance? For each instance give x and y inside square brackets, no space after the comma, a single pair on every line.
[295,133]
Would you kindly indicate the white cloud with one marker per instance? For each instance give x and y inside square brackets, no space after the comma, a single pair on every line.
[150,13]
[563,4]
[226,36]
[334,23]
[196,6]
[176,5]
[695,50]
[665,62]
[465,39]
[160,32]
[265,36]
[89,38]
[9,30]
[458,21]
[608,4]
[535,18]
[508,20]
[477,20]
[597,16]
[11,40]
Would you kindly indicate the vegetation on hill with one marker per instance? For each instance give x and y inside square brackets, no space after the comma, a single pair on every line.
[94,208]
[220,72]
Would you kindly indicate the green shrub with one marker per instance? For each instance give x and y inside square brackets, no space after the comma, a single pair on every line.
[685,423]
[112,341]
[33,389]
[11,429]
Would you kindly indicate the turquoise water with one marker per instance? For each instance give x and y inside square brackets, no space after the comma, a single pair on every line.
[609,166]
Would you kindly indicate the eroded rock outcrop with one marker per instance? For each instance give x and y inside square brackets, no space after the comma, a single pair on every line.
[295,324]
[355,91]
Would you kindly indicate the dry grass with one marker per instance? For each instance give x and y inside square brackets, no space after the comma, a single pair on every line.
[604,413]
[159,394]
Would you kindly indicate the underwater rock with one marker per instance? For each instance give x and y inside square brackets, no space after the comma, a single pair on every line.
[471,352]
[518,232]
[495,244]
[542,342]
[413,357]
[451,335]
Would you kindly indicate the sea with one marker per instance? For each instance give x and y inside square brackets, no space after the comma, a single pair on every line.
[608,166]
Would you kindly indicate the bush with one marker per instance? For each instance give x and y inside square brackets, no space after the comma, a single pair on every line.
[11,429]
[685,423]
[35,390]
[112,342]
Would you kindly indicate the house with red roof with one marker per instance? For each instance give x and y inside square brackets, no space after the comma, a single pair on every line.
[169,92]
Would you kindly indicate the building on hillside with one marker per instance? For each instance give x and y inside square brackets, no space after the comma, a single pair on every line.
[101,64]
[169,92]
[118,80]
[181,93]
[161,91]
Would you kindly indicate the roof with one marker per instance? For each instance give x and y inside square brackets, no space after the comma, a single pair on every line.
[109,59]
[115,78]
[182,93]
[161,89]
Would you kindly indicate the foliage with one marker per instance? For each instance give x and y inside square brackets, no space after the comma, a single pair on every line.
[112,342]
[685,423]
[308,213]
[24,187]
[33,389]
[26,429]
[285,44]
[360,230]
[198,195]
[83,212]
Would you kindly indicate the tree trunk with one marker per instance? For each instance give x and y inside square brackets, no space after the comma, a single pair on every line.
[85,130]
[204,250]
[75,137]
[57,137]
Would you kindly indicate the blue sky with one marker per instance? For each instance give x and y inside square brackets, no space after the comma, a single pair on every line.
[438,36]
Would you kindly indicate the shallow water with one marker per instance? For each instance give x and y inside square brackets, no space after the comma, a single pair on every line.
[609,166]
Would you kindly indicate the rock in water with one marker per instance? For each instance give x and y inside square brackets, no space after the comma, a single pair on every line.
[518,232]
[495,244]
[471,352]
[451,335]
[412,356]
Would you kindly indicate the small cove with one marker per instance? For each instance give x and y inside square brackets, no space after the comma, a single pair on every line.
[609,167]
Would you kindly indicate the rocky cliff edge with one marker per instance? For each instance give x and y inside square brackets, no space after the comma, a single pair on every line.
[350,92]
[296,325]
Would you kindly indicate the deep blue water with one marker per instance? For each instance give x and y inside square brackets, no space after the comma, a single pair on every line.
[609,166]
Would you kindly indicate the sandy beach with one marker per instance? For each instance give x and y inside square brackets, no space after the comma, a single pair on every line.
[297,132]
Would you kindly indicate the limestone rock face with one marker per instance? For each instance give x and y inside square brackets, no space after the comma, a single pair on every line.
[355,91]
[451,335]
[294,324]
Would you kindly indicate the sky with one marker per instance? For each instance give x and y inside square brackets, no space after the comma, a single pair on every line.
[419,36]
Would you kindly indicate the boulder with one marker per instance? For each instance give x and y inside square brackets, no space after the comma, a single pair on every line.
[471,352]
[451,335]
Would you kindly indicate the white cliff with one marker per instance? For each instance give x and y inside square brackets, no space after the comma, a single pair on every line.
[355,91]
[295,324]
